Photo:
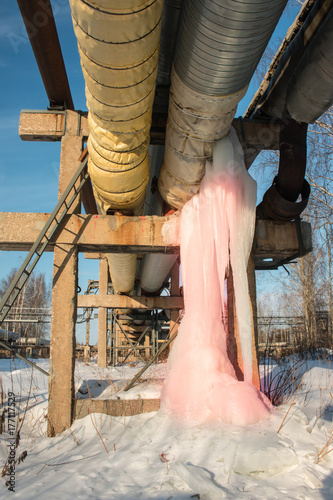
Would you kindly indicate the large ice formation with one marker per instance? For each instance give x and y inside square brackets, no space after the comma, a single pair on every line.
[216,224]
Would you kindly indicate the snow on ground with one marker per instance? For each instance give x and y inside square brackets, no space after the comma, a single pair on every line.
[150,457]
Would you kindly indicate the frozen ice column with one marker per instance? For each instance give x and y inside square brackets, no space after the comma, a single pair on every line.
[217,227]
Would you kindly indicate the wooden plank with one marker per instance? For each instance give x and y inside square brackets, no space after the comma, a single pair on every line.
[114,407]
[125,302]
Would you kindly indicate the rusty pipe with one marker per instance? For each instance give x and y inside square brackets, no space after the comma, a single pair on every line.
[42,32]
[280,200]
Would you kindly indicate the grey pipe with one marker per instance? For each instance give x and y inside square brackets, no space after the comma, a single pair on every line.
[313,43]
[214,35]
[310,92]
[219,46]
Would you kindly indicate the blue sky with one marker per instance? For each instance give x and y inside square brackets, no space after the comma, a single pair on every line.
[28,170]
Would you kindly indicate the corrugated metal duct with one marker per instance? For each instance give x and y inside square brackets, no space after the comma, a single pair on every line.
[118,44]
[219,47]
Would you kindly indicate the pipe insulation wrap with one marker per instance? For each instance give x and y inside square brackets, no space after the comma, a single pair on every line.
[219,47]
[310,92]
[118,44]
[292,62]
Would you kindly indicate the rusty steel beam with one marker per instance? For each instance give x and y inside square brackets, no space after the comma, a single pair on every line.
[42,32]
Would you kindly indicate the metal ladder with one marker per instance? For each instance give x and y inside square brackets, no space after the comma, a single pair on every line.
[43,239]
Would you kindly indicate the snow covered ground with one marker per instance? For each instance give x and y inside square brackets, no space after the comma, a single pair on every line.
[150,457]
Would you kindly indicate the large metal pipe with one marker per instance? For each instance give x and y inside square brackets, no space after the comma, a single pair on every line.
[307,51]
[219,46]
[297,89]
[310,92]
[280,201]
[118,45]
[42,32]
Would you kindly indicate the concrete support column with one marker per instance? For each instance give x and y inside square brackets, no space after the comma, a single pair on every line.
[86,352]
[102,314]
[147,345]
[233,341]
[64,298]
[251,276]
[174,292]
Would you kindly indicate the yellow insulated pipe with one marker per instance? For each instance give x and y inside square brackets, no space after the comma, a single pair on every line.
[118,44]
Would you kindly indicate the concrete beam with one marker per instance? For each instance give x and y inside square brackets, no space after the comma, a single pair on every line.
[102,233]
[112,233]
[115,407]
[64,307]
[125,302]
[103,314]
[51,125]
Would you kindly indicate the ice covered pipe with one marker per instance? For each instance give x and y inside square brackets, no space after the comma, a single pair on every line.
[118,44]
[219,47]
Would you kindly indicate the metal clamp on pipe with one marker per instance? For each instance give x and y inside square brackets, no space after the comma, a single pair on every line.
[274,206]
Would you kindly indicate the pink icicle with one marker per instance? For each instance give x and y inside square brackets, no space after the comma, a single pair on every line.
[216,224]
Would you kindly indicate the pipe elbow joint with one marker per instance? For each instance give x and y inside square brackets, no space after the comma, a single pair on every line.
[275,207]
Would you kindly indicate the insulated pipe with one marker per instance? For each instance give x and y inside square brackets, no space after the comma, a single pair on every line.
[309,51]
[42,32]
[310,92]
[118,45]
[156,267]
[301,89]
[219,47]
[172,12]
